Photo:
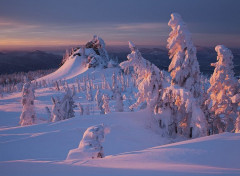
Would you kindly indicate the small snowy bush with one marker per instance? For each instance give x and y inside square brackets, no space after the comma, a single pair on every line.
[90,146]
[64,108]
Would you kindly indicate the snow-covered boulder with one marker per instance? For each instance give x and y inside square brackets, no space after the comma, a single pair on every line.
[90,146]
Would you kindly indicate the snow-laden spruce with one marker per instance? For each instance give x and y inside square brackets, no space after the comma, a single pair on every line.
[28,115]
[105,105]
[178,112]
[236,99]
[222,111]
[63,108]
[149,79]
[90,146]
[184,66]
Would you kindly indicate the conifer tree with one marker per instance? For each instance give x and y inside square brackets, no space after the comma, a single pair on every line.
[184,66]
[98,99]
[105,105]
[223,86]
[28,116]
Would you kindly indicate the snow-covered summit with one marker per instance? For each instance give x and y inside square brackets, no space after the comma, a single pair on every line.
[79,60]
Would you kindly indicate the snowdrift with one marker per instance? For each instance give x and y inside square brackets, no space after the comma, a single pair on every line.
[73,67]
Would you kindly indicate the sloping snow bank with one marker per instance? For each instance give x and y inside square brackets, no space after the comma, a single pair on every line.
[73,67]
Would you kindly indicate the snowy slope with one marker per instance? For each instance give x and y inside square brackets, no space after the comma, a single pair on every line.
[133,146]
[70,69]
[42,149]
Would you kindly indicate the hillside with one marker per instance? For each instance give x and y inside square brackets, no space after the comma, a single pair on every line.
[12,62]
[144,133]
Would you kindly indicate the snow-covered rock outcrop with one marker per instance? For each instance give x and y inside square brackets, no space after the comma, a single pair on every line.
[100,57]
[79,60]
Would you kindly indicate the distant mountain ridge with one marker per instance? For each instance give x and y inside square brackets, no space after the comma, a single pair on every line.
[159,56]
[12,62]
[29,61]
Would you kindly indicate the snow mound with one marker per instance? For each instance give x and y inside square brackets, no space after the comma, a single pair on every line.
[90,145]
[73,67]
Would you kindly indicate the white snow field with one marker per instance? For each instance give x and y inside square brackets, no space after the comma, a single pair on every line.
[70,69]
[133,146]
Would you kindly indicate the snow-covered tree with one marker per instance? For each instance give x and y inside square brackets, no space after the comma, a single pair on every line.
[236,99]
[149,78]
[184,66]
[114,81]
[89,95]
[87,110]
[57,86]
[105,105]
[122,80]
[119,101]
[237,124]
[90,146]
[98,99]
[28,116]
[179,113]
[64,108]
[104,82]
[222,111]
[80,108]
[48,113]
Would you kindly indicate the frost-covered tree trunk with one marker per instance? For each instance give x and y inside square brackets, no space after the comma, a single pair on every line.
[48,113]
[87,110]
[98,99]
[89,96]
[119,101]
[114,82]
[122,80]
[222,111]
[237,124]
[184,66]
[81,109]
[236,100]
[105,105]
[104,82]
[28,116]
[57,86]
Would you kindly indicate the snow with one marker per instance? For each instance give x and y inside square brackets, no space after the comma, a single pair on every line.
[70,69]
[134,144]
[130,148]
